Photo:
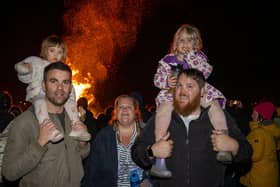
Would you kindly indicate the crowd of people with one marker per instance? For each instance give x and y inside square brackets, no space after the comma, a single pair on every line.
[191,137]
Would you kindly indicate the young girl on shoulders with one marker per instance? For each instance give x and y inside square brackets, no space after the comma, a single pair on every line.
[30,71]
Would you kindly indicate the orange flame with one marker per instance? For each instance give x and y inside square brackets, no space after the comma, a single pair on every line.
[80,87]
[98,34]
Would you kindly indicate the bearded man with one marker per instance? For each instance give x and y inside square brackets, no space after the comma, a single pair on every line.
[29,155]
[191,145]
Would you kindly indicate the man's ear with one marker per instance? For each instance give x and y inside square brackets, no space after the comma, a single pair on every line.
[43,85]
[202,92]
[72,90]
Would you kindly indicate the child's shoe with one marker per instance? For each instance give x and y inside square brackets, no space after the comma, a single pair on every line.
[159,169]
[224,156]
[56,136]
[80,135]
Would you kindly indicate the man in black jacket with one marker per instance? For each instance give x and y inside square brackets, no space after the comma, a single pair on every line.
[191,144]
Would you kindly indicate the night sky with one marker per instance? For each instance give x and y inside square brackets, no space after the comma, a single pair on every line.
[240,38]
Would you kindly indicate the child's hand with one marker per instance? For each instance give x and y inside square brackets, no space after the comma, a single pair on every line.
[172,81]
[28,65]
[187,50]
[188,54]
[23,67]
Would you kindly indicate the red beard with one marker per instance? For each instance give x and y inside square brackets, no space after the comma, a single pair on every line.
[188,108]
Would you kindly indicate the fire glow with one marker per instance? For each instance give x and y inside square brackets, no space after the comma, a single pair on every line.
[98,34]
[80,87]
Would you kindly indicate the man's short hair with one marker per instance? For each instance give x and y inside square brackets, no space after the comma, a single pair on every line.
[56,65]
[195,74]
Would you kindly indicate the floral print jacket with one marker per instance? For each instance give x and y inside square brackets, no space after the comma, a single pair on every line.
[193,59]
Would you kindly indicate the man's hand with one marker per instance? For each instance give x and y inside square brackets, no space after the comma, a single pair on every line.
[163,148]
[223,142]
[46,132]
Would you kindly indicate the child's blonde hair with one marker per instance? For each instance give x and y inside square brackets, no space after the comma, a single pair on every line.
[193,32]
[52,41]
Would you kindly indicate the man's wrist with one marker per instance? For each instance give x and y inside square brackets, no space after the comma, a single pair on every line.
[41,142]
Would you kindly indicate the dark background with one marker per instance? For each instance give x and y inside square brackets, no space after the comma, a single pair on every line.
[241,40]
